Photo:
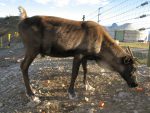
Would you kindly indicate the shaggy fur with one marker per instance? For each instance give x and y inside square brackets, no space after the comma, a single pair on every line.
[83,40]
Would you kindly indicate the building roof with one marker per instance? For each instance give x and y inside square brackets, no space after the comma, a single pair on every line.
[127,26]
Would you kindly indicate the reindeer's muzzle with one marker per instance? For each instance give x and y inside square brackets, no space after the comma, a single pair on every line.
[132,81]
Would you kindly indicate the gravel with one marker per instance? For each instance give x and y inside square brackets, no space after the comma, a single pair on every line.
[50,78]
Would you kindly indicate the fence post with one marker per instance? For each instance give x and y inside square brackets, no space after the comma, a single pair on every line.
[99,14]
[1,43]
[83,18]
[9,38]
[148,59]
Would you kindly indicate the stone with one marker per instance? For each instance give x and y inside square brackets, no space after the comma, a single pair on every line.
[1,104]
[123,95]
[86,99]
[60,68]
[88,87]
[36,99]
[92,104]
[54,105]
[6,58]
[91,110]
[20,60]
[31,104]
[40,69]
[135,111]
[63,85]
[102,70]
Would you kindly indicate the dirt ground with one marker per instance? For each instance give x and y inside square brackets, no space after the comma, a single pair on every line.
[50,78]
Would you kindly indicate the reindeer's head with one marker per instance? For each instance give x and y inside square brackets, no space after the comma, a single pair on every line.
[124,65]
[129,69]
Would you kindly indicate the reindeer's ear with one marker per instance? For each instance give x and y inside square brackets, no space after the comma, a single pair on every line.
[127,60]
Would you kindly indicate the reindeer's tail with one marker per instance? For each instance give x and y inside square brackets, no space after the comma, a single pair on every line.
[23,13]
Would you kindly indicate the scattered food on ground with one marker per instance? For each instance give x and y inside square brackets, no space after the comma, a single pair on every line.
[50,78]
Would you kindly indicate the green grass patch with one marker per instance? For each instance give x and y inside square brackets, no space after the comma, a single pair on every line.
[142,61]
[134,44]
[141,57]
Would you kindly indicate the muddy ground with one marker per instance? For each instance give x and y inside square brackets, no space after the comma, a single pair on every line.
[50,79]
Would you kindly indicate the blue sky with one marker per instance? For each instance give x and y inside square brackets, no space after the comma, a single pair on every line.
[75,9]
[72,9]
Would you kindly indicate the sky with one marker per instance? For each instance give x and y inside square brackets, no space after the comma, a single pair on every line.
[112,11]
[71,9]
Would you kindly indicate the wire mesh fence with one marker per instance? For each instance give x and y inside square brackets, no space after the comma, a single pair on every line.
[128,24]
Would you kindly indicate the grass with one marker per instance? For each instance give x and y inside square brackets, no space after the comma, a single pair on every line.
[135,44]
[143,61]
[141,45]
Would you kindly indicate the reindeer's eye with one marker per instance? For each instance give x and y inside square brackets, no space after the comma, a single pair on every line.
[127,60]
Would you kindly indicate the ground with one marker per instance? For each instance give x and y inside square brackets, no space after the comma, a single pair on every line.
[50,79]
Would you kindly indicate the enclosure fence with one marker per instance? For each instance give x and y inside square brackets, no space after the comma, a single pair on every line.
[7,39]
[136,12]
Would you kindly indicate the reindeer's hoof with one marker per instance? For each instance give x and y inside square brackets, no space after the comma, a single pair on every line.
[88,87]
[33,98]
[34,101]
[72,95]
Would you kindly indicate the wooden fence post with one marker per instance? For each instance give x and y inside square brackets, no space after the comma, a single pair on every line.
[148,59]
[1,42]
[9,38]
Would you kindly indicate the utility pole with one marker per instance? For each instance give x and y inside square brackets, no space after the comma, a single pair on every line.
[148,59]
[83,18]
[99,14]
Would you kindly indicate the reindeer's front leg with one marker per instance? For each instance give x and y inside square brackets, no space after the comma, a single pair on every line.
[75,69]
[88,87]
[29,57]
[84,66]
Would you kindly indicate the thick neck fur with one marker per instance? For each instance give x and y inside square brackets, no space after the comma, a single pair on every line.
[110,43]
[111,53]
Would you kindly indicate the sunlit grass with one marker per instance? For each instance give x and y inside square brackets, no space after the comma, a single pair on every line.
[143,61]
[135,44]
[140,45]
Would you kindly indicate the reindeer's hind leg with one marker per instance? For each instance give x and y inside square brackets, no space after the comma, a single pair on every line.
[29,57]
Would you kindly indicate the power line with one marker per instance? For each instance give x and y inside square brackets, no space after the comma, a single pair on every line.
[143,4]
[130,10]
[114,7]
[142,16]
[120,10]
[105,11]
[119,14]
[135,14]
[95,11]
[108,4]
[93,17]
[127,12]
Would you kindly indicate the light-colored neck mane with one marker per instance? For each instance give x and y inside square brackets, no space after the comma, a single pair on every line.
[110,43]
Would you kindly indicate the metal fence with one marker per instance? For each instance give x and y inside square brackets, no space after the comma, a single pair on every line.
[8,39]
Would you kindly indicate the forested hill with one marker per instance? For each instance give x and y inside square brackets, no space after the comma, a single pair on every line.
[8,24]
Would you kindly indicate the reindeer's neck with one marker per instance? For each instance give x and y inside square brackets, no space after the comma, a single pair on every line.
[114,48]
[111,45]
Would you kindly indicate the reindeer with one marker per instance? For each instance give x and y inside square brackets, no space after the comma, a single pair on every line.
[82,40]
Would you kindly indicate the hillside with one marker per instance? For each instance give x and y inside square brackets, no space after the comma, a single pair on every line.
[8,25]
